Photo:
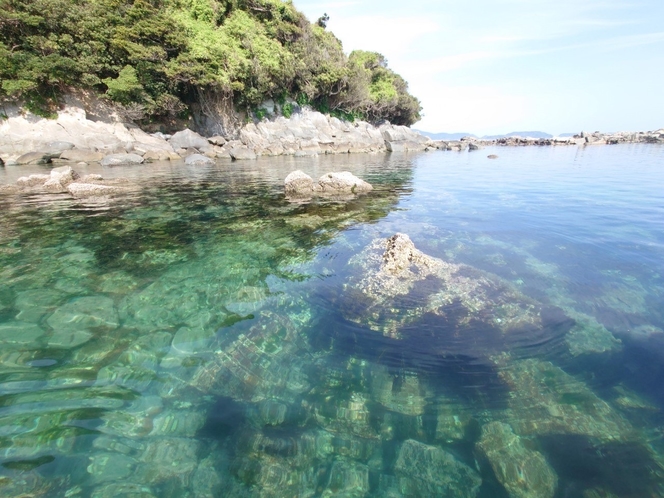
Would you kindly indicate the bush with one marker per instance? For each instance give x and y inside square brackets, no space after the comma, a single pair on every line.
[162,54]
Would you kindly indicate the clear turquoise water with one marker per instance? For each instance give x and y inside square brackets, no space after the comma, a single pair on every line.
[204,336]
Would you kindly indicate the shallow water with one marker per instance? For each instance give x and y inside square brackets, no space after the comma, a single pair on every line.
[204,336]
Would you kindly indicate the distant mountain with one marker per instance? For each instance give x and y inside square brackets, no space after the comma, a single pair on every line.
[459,136]
[528,134]
[445,136]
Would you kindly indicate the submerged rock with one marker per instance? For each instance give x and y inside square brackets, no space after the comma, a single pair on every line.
[33,304]
[85,313]
[545,400]
[19,333]
[347,478]
[523,472]
[430,471]
[402,394]
[82,190]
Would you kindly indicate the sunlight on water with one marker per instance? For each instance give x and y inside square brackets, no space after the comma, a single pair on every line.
[206,337]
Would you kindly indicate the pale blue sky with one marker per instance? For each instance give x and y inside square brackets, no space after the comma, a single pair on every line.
[495,66]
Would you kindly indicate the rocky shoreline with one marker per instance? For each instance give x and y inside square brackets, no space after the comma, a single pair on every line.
[75,138]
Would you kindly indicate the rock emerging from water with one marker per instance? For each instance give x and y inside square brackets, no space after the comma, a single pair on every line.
[300,185]
[393,268]
[64,179]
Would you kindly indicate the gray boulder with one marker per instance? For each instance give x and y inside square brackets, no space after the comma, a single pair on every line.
[186,139]
[431,471]
[523,472]
[116,159]
[80,155]
[198,160]
[473,146]
[34,158]
[217,140]
[242,153]
[298,183]
[342,183]
[395,146]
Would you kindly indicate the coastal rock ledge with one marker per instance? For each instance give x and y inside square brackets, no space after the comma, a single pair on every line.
[74,137]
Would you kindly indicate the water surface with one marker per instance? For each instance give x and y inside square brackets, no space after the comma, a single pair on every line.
[204,336]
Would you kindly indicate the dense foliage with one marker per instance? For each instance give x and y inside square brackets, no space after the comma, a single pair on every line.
[153,57]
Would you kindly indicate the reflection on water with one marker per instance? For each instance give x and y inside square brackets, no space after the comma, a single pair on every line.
[205,337]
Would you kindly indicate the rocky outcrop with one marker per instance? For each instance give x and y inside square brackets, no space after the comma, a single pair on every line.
[64,179]
[300,185]
[25,139]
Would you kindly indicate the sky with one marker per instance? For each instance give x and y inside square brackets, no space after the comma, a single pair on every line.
[496,66]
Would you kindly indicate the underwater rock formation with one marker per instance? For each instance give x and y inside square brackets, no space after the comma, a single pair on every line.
[546,400]
[431,471]
[523,472]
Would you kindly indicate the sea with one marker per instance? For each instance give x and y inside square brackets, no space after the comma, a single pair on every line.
[203,335]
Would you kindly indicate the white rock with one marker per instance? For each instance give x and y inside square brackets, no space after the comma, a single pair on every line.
[298,183]
[186,139]
[342,182]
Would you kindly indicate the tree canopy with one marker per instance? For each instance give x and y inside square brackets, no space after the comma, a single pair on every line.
[155,55]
